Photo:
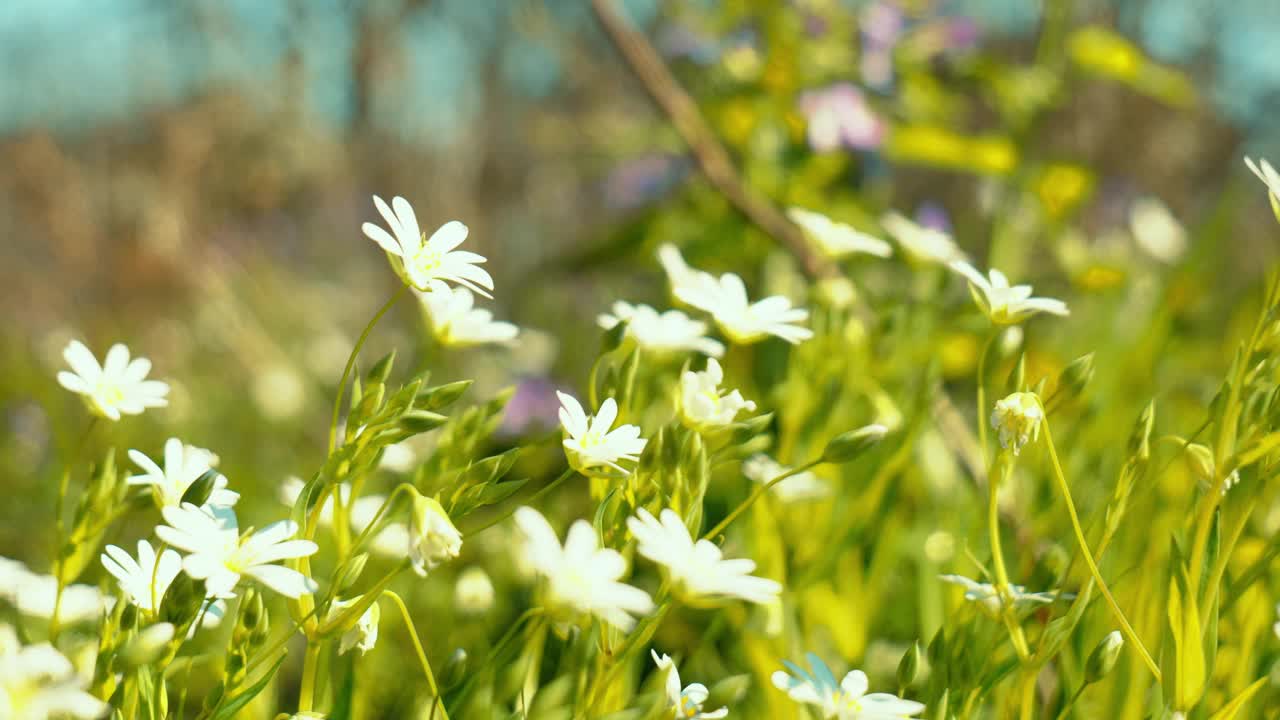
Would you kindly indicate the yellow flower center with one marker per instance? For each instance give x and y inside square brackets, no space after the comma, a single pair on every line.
[427,261]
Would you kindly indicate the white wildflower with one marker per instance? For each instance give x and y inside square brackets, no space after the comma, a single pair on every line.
[363,635]
[432,537]
[581,577]
[145,580]
[219,556]
[703,405]
[1017,419]
[846,700]
[183,465]
[473,593]
[988,598]
[592,443]
[923,245]
[1157,231]
[761,468]
[836,239]
[1004,304]
[698,569]
[456,321]
[664,333]
[743,321]
[117,387]
[1268,175]
[685,702]
[424,263]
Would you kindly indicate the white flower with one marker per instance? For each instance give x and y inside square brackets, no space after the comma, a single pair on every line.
[34,595]
[390,541]
[39,683]
[183,465]
[836,239]
[1004,304]
[803,486]
[426,264]
[686,703]
[921,244]
[1017,419]
[668,332]
[678,271]
[581,576]
[593,443]
[847,700]
[363,635]
[702,404]
[988,598]
[1268,175]
[740,319]
[145,580]
[219,556]
[473,592]
[456,322]
[1156,230]
[697,568]
[432,537]
[117,387]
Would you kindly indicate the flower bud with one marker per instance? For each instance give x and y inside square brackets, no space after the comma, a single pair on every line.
[849,445]
[909,667]
[420,421]
[148,645]
[1017,419]
[473,593]
[613,337]
[433,538]
[454,670]
[381,369]
[349,572]
[1076,376]
[198,492]
[1103,658]
[441,396]
[1199,461]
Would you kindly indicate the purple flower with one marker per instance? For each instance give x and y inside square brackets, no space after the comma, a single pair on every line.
[533,406]
[838,116]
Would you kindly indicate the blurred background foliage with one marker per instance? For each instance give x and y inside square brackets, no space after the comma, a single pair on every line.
[190,177]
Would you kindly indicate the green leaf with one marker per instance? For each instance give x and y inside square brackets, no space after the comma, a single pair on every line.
[229,709]
[1231,709]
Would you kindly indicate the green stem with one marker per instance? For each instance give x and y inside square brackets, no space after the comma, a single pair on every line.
[755,495]
[1062,715]
[1003,470]
[60,528]
[1125,627]
[351,361]
[568,473]
[310,668]
[417,646]
[372,527]
[982,391]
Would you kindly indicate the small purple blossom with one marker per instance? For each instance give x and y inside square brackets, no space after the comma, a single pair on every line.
[839,116]
[534,406]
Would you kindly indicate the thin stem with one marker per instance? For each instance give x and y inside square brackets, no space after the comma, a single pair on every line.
[1125,627]
[1062,715]
[1004,468]
[1028,700]
[351,361]
[417,646]
[755,495]
[60,527]
[372,527]
[568,473]
[982,391]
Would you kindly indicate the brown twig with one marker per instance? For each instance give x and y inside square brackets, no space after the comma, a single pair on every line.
[712,158]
